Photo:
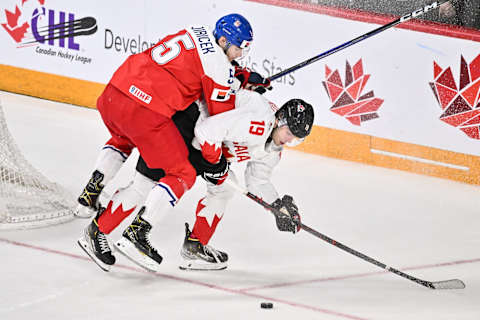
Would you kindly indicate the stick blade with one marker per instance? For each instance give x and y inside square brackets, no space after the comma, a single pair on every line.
[448,284]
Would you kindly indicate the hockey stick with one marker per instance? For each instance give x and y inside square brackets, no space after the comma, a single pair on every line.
[414,14]
[445,284]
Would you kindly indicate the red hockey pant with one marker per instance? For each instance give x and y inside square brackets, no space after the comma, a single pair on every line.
[156,137]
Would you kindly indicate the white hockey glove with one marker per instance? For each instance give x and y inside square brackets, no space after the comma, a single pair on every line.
[287,218]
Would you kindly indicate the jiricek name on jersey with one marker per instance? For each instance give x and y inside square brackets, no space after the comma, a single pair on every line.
[205,42]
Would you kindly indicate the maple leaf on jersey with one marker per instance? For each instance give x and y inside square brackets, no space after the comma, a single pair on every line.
[226,152]
[211,152]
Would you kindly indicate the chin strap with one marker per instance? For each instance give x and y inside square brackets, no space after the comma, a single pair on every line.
[229,44]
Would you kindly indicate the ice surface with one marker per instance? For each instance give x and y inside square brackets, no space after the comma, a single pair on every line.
[424,226]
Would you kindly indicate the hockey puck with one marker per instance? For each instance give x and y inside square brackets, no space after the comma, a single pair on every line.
[266,305]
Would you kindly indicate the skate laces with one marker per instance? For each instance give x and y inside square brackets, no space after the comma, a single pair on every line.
[212,252]
[103,243]
[146,237]
[146,234]
[87,196]
[95,182]
[147,241]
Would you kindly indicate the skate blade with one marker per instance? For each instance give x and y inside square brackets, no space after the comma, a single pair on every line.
[129,250]
[84,245]
[83,212]
[196,265]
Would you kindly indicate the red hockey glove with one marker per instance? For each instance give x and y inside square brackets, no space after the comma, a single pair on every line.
[252,80]
[288,218]
[216,173]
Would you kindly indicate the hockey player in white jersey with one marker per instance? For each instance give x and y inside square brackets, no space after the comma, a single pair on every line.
[255,131]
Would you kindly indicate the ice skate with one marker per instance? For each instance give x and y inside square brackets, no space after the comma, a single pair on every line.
[88,200]
[136,246]
[197,256]
[95,244]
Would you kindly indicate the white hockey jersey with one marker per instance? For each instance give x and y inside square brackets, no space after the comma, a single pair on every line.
[243,135]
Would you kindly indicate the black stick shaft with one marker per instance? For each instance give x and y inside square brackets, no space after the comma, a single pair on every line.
[414,14]
[364,257]
[337,244]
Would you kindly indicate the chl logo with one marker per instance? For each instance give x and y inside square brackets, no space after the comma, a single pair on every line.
[460,104]
[33,23]
[348,100]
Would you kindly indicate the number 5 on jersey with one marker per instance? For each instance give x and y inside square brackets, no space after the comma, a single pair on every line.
[257,127]
[170,49]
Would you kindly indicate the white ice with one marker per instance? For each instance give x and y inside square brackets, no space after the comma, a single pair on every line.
[425,226]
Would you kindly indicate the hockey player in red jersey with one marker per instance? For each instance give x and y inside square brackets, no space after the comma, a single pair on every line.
[255,132]
[137,106]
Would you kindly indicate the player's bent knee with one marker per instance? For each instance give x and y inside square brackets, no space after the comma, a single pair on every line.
[185,172]
[180,178]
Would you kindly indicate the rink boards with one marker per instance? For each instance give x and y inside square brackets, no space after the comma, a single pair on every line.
[406,99]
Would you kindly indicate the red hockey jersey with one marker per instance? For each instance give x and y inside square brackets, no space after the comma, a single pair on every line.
[180,69]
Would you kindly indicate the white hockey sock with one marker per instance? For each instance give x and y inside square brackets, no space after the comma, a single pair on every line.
[109,162]
[160,201]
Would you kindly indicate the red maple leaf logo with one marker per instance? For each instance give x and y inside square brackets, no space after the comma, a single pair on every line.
[348,100]
[15,31]
[119,210]
[226,152]
[461,106]
[211,152]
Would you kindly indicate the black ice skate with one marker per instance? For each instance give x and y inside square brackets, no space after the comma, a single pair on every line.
[95,244]
[201,257]
[88,200]
[136,246]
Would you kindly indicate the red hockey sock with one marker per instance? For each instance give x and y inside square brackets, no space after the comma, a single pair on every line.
[109,220]
[205,223]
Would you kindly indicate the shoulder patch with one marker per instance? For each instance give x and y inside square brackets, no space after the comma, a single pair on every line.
[220,94]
